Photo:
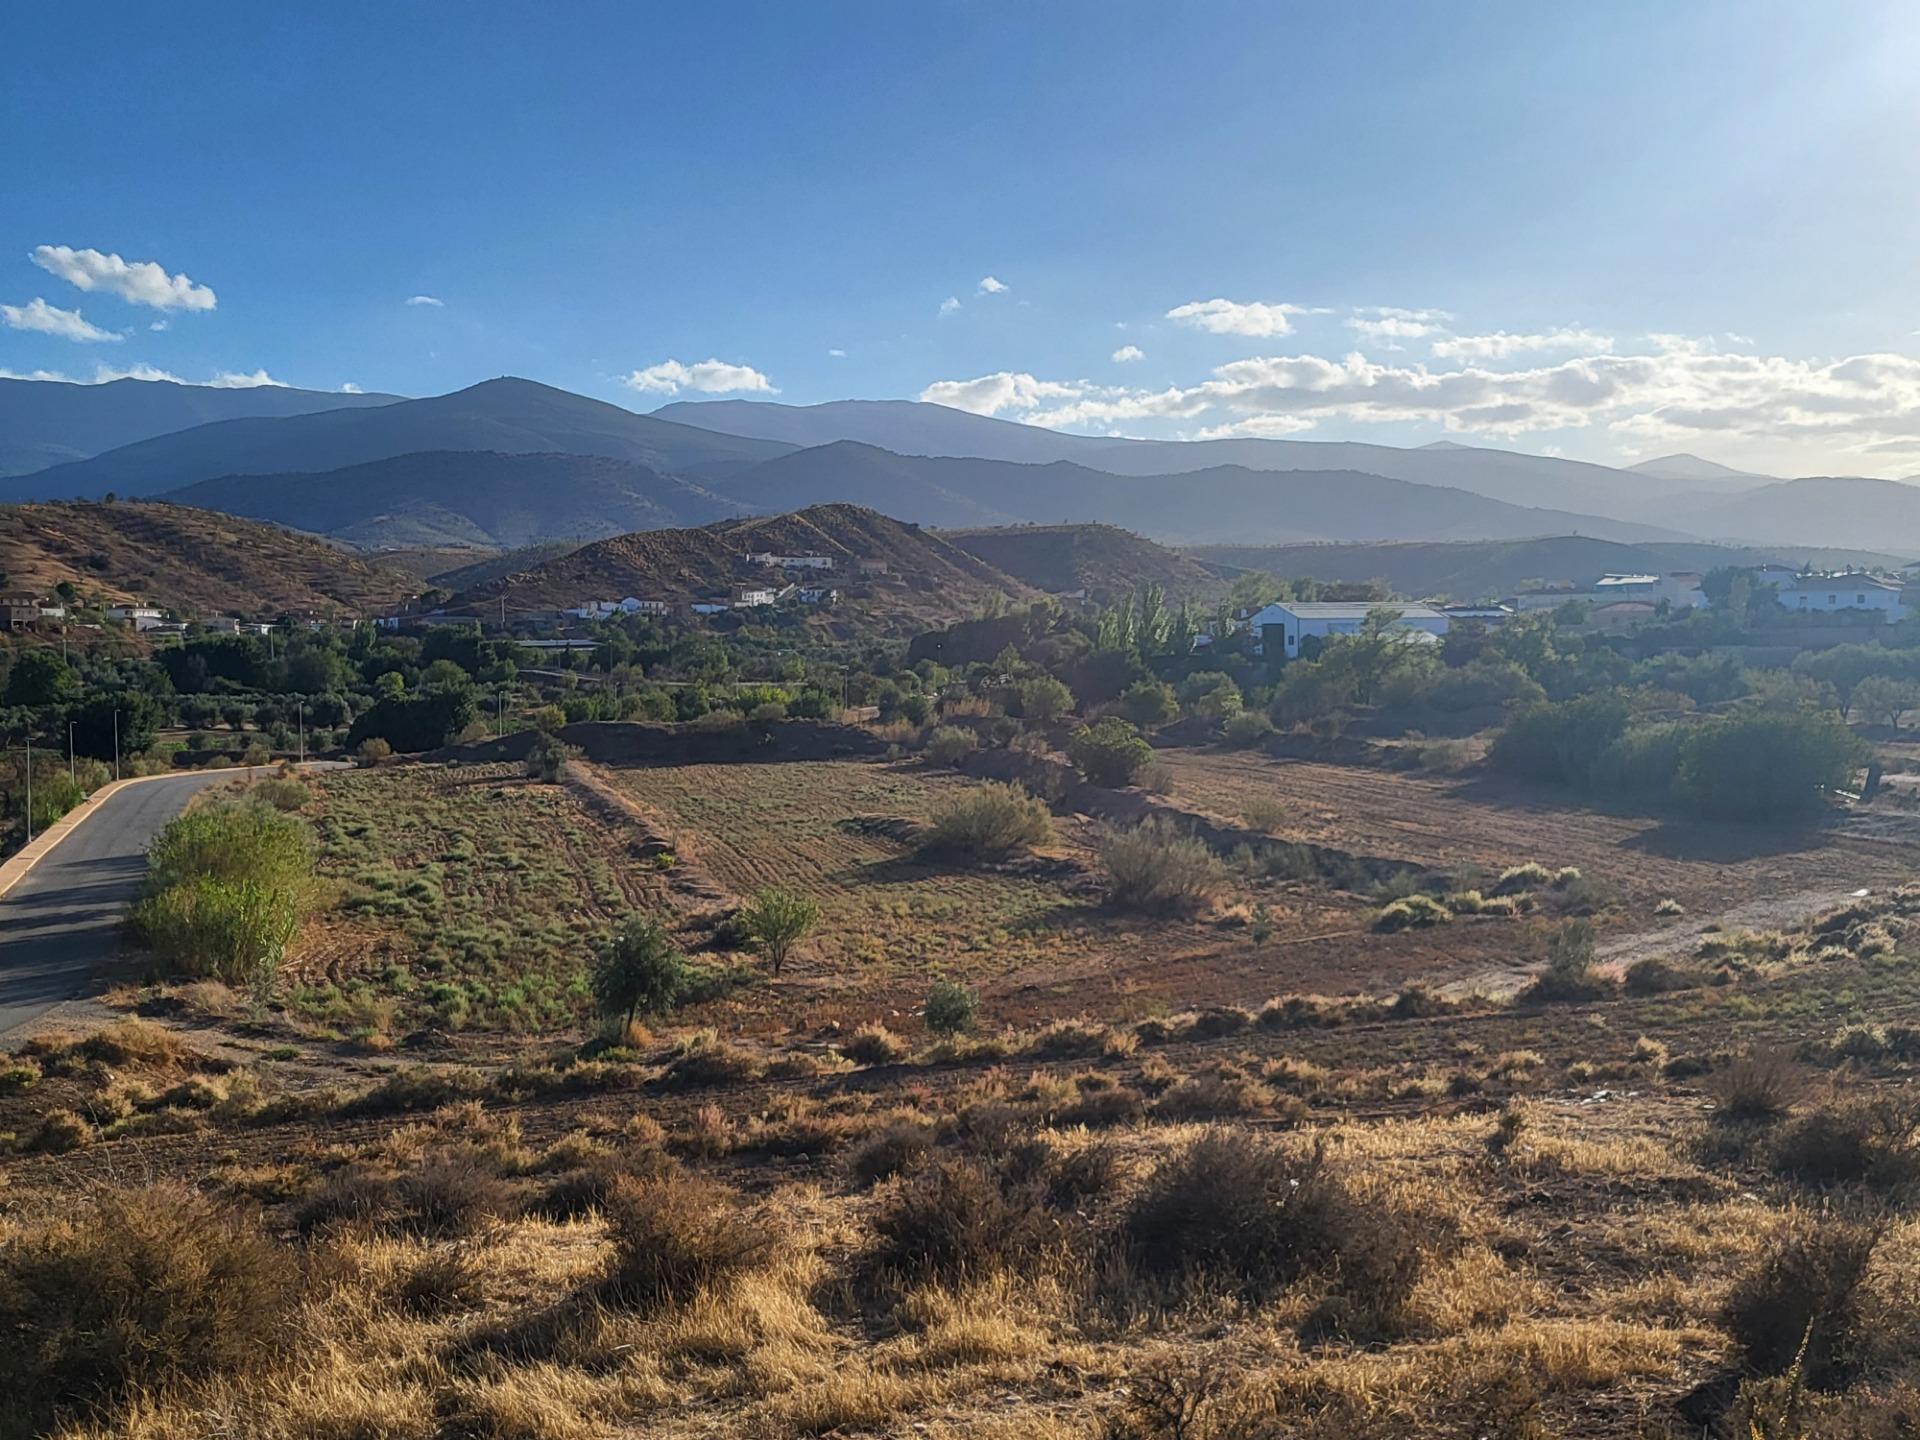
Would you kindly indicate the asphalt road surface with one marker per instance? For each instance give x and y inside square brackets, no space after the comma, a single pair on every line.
[62,921]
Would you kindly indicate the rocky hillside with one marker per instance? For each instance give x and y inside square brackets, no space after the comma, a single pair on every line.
[1102,560]
[197,561]
[926,577]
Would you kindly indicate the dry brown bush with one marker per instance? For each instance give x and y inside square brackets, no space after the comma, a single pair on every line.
[143,1288]
[674,1236]
[1859,1139]
[874,1045]
[1805,1292]
[1240,1213]
[953,1219]
[887,1151]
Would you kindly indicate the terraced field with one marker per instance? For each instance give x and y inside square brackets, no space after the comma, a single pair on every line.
[1445,822]
[469,893]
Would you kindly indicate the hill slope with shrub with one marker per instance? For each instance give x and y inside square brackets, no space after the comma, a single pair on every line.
[926,577]
[1100,559]
[198,561]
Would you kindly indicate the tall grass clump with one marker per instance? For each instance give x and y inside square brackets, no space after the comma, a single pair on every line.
[138,1290]
[1156,866]
[226,890]
[989,822]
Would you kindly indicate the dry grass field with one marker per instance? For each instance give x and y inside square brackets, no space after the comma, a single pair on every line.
[1232,1174]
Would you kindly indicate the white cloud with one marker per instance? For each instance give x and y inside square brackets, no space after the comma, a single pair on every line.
[437,303]
[1500,345]
[105,374]
[949,305]
[159,325]
[1007,390]
[1236,317]
[837,353]
[991,286]
[351,389]
[1128,352]
[1683,389]
[710,377]
[47,319]
[138,282]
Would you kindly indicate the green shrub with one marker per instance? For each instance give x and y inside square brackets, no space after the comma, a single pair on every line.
[287,795]
[1412,913]
[990,821]
[950,744]
[1156,866]
[1763,763]
[1570,973]
[777,920]
[1560,741]
[1043,699]
[1247,727]
[639,972]
[1211,694]
[547,758]
[1109,752]
[231,930]
[951,1008]
[1149,704]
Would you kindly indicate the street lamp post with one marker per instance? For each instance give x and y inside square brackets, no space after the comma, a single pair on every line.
[116,744]
[300,719]
[29,789]
[70,772]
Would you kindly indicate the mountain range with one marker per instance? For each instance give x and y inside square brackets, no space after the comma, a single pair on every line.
[44,422]
[466,497]
[510,462]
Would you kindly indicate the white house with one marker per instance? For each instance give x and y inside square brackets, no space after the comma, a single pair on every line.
[141,617]
[709,607]
[1849,590]
[1287,622]
[1681,589]
[753,596]
[816,595]
[790,562]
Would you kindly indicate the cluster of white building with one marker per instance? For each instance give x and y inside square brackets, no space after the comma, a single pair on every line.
[1613,601]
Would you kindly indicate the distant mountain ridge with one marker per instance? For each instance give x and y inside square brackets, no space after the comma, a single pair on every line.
[467,497]
[1220,503]
[54,422]
[918,428]
[507,415]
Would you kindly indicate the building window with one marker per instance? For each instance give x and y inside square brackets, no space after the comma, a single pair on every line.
[1832,600]
[1859,599]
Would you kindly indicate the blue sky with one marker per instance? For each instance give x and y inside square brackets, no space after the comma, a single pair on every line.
[1608,231]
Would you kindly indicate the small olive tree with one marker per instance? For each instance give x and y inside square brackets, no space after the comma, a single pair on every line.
[638,972]
[777,920]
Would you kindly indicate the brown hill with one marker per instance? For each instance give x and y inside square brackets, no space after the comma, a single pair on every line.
[925,579]
[1103,560]
[197,561]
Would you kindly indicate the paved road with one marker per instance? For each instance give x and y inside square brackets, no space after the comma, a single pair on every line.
[62,920]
